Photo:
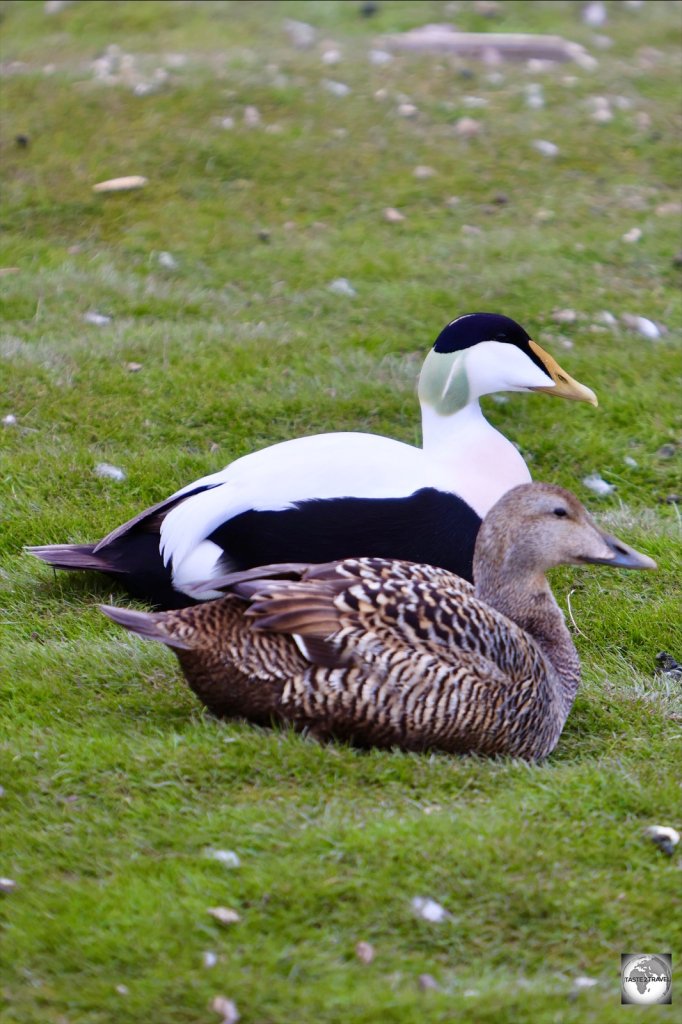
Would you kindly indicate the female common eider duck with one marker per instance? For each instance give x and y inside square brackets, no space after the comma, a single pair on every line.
[387,653]
[332,496]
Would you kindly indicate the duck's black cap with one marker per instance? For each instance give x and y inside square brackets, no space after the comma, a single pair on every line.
[473,328]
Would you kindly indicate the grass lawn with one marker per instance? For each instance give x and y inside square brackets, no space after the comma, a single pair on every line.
[115,785]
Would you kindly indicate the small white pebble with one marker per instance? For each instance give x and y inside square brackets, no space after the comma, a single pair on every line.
[364,951]
[407,109]
[227,123]
[168,261]
[629,461]
[542,216]
[109,472]
[132,181]
[549,149]
[471,229]
[665,837]
[98,319]
[582,981]
[607,318]
[452,201]
[429,910]
[252,116]
[602,115]
[536,65]
[7,885]
[209,958]
[223,915]
[647,328]
[227,1008]
[565,316]
[9,420]
[133,367]
[598,485]
[228,858]
[467,127]
[331,56]
[427,983]
[379,57]
[535,99]
[336,88]
[594,14]
[422,171]
[474,102]
[342,286]
[122,990]
[633,235]
[300,33]
[393,216]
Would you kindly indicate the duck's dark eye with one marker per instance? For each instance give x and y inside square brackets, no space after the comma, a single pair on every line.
[560,512]
[501,337]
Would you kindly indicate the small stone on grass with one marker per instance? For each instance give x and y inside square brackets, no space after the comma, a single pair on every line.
[598,485]
[227,1008]
[228,858]
[342,286]
[545,148]
[97,319]
[665,838]
[109,472]
[647,328]
[224,915]
[429,910]
[125,184]
[364,951]
[393,216]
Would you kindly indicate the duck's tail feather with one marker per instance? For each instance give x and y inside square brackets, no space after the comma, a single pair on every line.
[149,625]
[71,556]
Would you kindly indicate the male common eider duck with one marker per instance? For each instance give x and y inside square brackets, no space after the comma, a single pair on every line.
[331,496]
[388,653]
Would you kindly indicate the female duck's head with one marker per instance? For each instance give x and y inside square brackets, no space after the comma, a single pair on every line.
[482,353]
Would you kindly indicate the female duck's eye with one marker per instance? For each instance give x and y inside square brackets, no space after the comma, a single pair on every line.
[560,512]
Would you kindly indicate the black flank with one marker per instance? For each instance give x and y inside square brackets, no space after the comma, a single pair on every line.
[428,526]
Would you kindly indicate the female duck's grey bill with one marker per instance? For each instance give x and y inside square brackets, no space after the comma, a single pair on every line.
[624,557]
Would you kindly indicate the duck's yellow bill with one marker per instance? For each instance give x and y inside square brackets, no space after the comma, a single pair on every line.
[564,385]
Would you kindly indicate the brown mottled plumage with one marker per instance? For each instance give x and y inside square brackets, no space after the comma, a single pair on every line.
[390,653]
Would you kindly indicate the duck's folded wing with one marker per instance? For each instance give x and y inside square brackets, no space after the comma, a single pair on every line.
[367,607]
[306,468]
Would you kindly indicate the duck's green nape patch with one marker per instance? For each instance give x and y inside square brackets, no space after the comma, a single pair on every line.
[443,382]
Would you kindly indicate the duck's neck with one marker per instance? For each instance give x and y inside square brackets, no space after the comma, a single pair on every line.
[478,462]
[440,430]
[529,603]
